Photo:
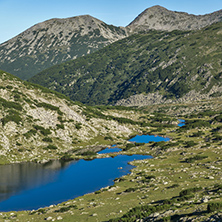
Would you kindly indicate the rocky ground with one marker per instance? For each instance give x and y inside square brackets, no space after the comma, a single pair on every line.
[38,124]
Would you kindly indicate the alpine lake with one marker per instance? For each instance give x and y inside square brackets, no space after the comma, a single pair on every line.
[28,186]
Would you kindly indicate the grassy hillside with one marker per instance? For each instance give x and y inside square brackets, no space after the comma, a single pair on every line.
[170,63]
[37,124]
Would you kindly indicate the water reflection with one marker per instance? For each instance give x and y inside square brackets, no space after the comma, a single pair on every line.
[18,177]
[30,186]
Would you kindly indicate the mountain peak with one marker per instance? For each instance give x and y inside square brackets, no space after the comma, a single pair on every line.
[55,41]
[157,7]
[160,18]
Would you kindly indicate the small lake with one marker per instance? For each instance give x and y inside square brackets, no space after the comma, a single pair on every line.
[148,138]
[28,186]
[181,123]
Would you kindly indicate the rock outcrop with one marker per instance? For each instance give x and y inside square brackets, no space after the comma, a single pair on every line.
[37,124]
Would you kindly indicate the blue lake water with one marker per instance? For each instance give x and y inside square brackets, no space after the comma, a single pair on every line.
[181,123]
[110,150]
[113,149]
[148,138]
[30,186]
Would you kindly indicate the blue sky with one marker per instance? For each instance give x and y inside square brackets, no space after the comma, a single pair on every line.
[18,15]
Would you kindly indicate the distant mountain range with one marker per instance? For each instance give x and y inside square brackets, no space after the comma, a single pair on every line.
[159,18]
[59,40]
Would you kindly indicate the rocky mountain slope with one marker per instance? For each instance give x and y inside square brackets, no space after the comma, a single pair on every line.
[55,41]
[37,124]
[145,68]
[58,40]
[159,18]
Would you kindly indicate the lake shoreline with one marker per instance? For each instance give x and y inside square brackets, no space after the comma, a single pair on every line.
[120,154]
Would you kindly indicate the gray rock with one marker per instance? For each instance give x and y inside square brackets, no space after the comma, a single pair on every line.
[205,200]
[160,18]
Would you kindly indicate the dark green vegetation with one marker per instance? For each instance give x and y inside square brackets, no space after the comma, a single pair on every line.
[58,40]
[65,209]
[212,207]
[164,205]
[171,63]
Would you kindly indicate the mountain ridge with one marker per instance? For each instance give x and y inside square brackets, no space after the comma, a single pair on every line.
[55,41]
[162,66]
[160,18]
[62,39]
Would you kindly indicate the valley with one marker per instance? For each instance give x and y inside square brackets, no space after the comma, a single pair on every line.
[86,86]
[56,40]
[181,181]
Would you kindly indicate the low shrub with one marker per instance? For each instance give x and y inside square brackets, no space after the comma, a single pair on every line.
[43,131]
[11,105]
[139,144]
[78,126]
[51,147]
[51,107]
[197,134]
[30,133]
[190,191]
[67,157]
[173,186]
[215,206]
[194,158]
[108,138]
[131,189]
[60,126]
[129,146]
[47,139]
[39,211]
[192,124]
[140,212]
[218,186]
[14,118]
[65,209]
[185,197]
[190,144]
[88,153]
[150,177]
[217,137]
